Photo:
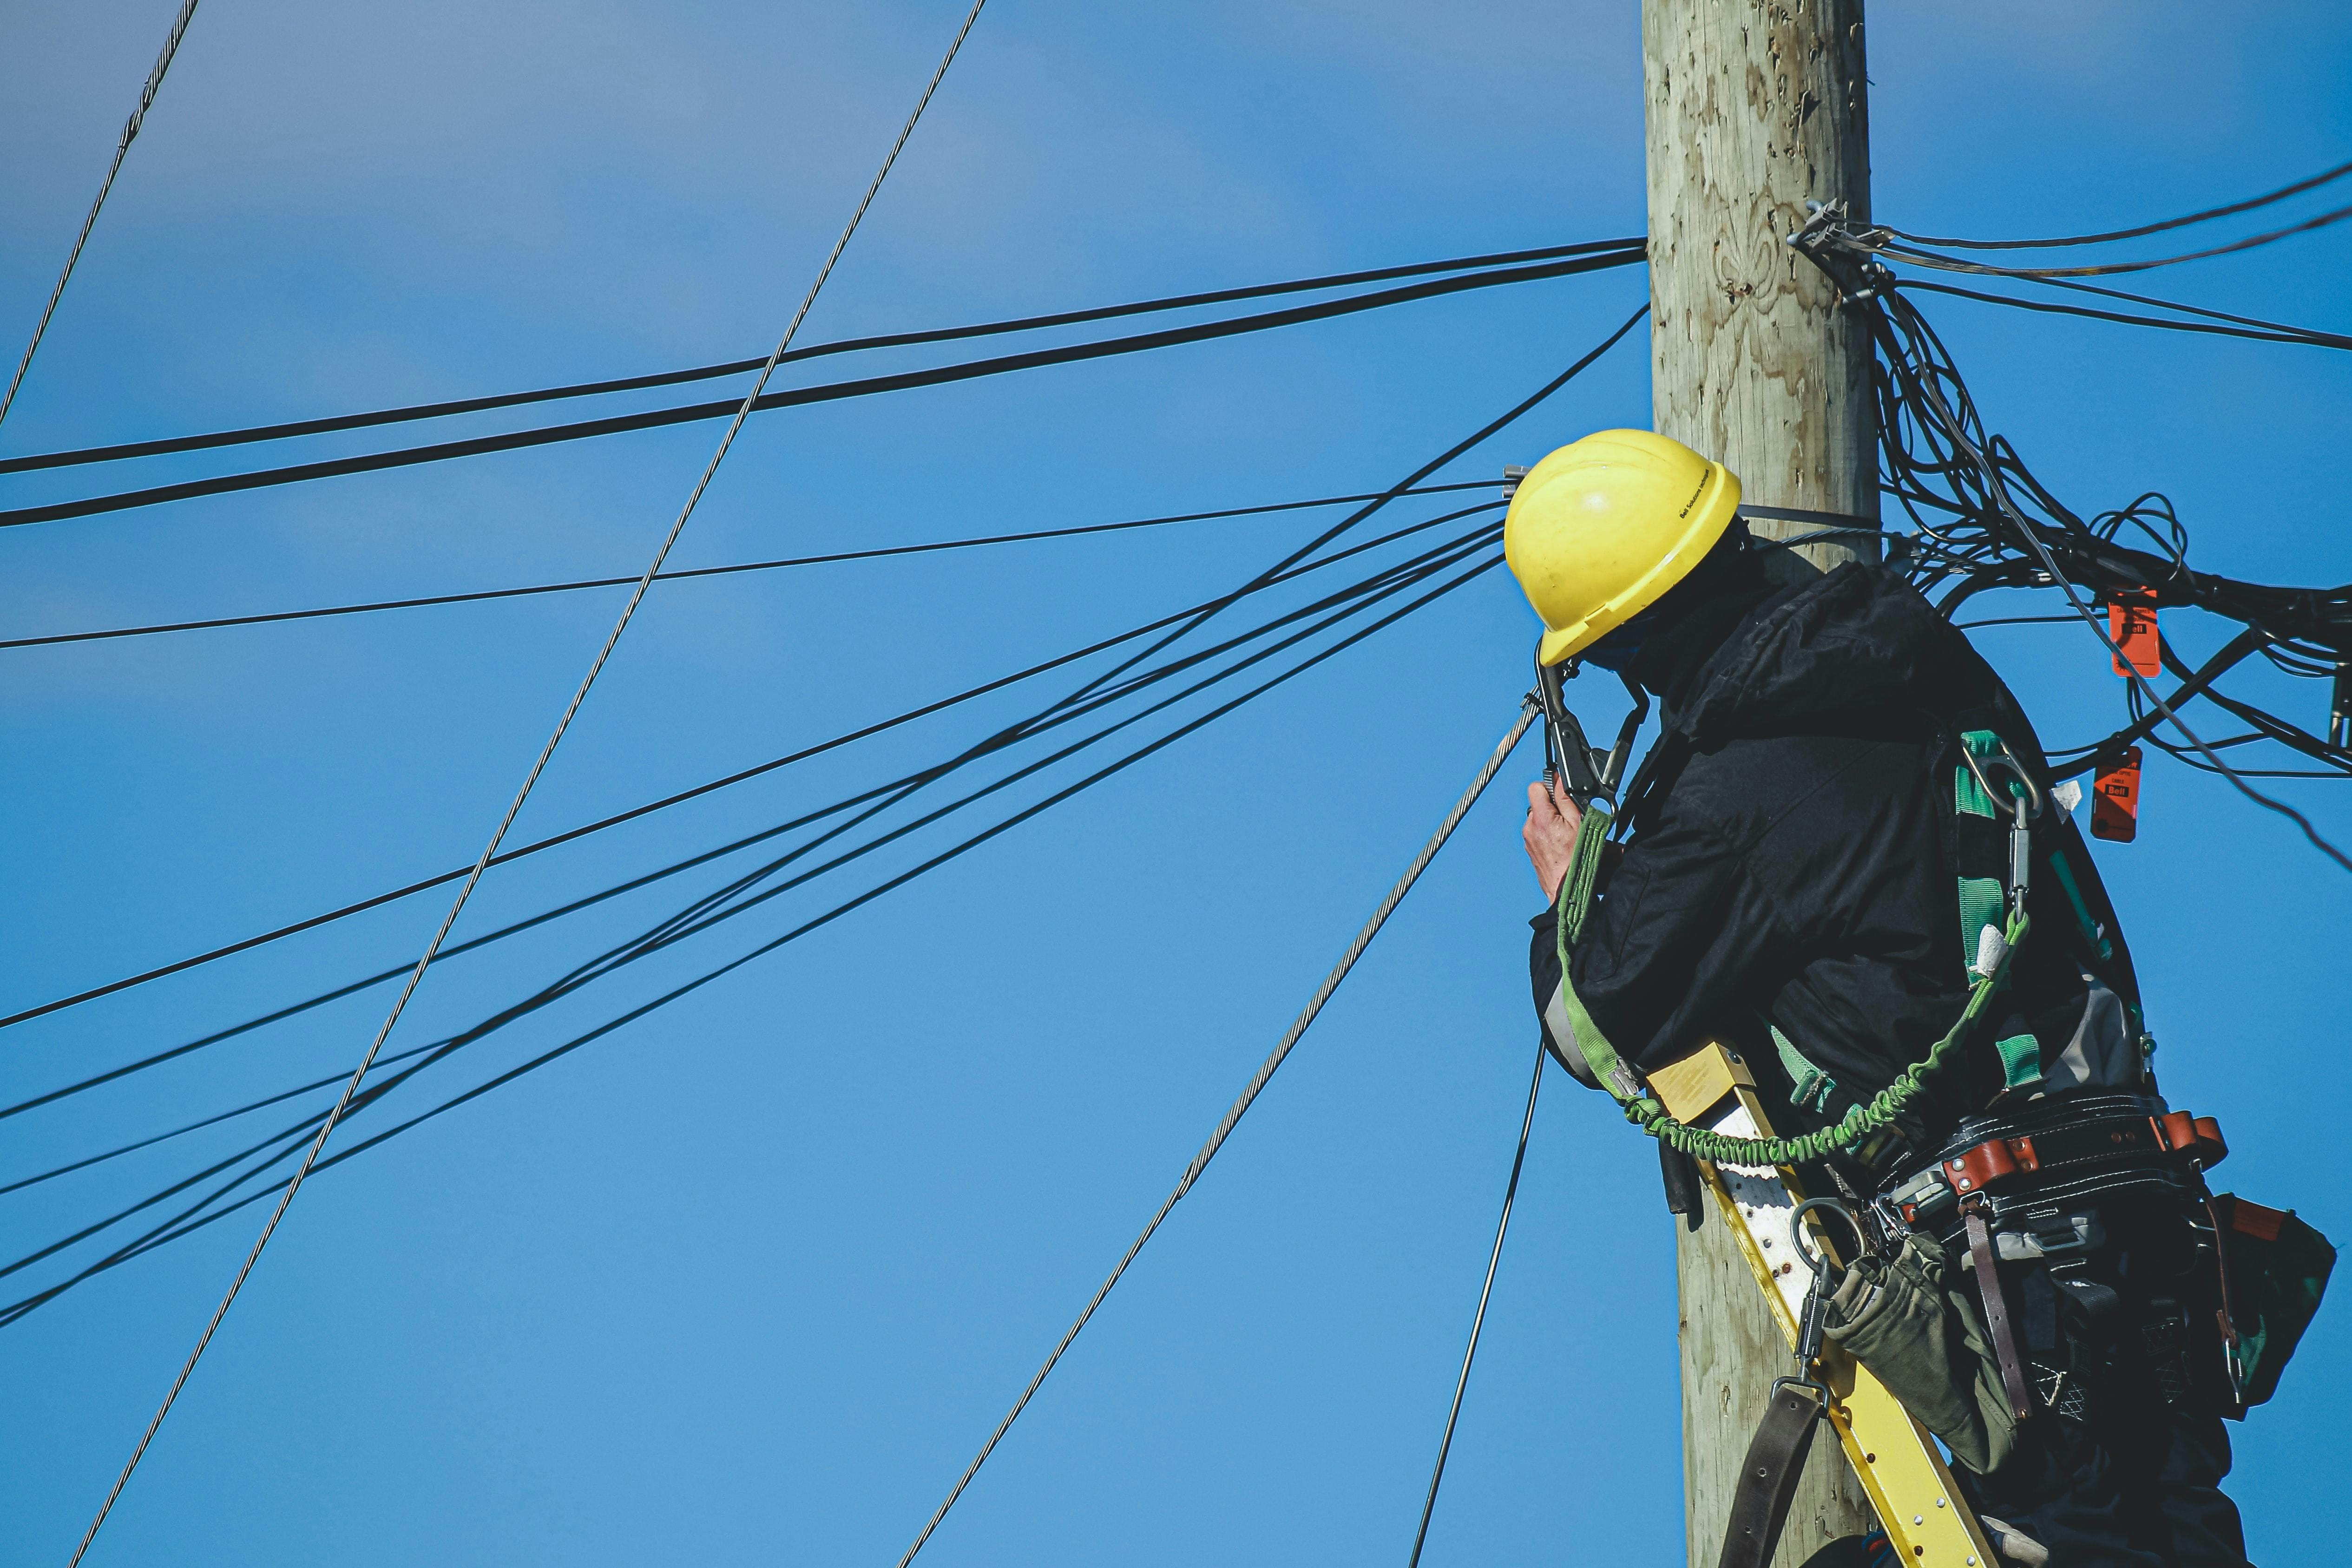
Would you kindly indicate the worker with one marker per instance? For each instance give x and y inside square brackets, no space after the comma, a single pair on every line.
[1786,880]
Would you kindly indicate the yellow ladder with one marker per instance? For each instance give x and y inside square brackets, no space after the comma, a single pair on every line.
[1893,1455]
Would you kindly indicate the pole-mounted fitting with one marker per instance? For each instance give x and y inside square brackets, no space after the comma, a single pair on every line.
[1830,242]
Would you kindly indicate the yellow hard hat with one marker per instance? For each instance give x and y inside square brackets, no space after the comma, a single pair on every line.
[1601,528]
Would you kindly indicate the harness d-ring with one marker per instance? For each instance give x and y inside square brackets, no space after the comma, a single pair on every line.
[2034,801]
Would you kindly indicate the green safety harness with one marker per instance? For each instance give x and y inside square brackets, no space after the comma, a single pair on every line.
[1985,932]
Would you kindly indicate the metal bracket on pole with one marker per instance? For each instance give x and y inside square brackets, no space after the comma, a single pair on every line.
[1830,243]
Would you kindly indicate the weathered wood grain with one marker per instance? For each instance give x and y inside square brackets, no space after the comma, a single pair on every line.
[1752,109]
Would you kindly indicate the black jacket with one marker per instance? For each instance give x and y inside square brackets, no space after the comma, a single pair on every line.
[1794,860]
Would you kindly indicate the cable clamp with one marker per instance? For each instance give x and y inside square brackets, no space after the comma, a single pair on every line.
[1843,256]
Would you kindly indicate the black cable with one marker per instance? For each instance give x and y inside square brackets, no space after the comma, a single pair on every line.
[632,814]
[1193,617]
[484,594]
[1415,477]
[736,898]
[245,1110]
[1924,399]
[2300,336]
[668,926]
[1379,585]
[867,386]
[1955,264]
[2101,752]
[2209,214]
[17,1310]
[1365,591]
[2074,286]
[668,931]
[1478,1321]
[2268,726]
[738,367]
[285,1141]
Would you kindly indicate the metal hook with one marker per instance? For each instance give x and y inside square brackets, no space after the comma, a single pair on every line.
[1564,740]
[1820,1262]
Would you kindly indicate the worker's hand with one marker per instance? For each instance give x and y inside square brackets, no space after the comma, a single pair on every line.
[1551,834]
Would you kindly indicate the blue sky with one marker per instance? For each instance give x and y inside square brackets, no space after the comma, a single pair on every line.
[750,1280]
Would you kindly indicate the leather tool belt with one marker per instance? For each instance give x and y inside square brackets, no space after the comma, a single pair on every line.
[2066,1153]
[2028,1183]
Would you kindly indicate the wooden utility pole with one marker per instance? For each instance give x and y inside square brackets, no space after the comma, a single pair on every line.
[1754,108]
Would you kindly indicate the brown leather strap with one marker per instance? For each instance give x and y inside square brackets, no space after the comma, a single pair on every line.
[1768,1476]
[1996,1311]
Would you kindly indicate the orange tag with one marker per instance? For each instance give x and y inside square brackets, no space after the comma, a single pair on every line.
[2131,622]
[2115,800]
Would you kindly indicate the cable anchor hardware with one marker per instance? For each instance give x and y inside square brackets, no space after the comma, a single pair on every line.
[1842,254]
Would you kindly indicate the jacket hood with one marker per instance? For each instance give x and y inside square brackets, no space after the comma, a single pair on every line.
[1858,642]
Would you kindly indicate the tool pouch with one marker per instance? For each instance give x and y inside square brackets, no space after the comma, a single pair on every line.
[2278,1271]
[1921,1336]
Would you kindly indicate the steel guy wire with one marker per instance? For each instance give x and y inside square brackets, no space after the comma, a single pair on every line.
[423,962]
[1240,1108]
[186,1225]
[131,127]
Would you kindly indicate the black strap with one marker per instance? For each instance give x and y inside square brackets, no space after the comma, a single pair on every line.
[1768,1477]
[1996,1311]
[1684,1197]
[1658,770]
